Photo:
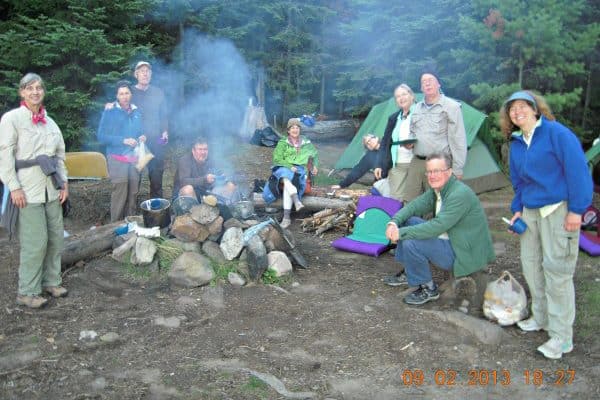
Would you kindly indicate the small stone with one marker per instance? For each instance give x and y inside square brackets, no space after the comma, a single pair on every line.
[170,322]
[210,200]
[87,335]
[98,383]
[235,279]
[109,337]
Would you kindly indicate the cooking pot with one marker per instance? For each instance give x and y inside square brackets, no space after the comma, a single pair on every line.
[242,209]
[156,212]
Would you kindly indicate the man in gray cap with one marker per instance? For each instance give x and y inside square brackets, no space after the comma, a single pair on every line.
[152,104]
[438,125]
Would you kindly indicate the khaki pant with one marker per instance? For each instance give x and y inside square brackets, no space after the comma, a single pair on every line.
[416,181]
[125,181]
[397,179]
[549,255]
[41,237]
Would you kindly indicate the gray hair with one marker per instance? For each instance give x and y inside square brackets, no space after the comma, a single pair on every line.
[29,78]
[407,88]
[441,156]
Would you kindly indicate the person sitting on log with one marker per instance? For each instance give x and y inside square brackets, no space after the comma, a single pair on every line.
[291,158]
[196,177]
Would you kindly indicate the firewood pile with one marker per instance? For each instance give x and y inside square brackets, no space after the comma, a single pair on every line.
[327,219]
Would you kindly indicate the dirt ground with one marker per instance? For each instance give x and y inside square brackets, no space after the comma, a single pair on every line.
[333,331]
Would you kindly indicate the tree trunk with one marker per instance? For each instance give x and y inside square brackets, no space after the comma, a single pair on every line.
[89,243]
[311,203]
[588,96]
[322,100]
[331,130]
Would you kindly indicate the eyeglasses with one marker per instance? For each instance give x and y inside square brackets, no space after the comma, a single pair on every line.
[435,172]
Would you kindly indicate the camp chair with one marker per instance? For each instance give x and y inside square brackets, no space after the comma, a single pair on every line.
[86,165]
[368,237]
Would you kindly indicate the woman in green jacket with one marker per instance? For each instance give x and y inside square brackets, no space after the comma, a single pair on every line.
[291,159]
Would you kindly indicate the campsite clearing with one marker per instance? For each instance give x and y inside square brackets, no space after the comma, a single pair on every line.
[334,331]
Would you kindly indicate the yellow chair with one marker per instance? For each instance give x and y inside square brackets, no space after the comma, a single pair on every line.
[86,165]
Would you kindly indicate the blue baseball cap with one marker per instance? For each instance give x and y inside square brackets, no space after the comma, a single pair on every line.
[521,95]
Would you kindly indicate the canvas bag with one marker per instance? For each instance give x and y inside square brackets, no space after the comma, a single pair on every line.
[505,301]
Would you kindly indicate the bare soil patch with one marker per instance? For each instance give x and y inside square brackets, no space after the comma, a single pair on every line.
[332,331]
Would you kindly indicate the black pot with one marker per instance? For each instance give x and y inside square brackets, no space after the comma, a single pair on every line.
[156,212]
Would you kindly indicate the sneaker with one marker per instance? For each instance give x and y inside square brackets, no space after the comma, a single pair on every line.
[285,223]
[396,280]
[56,291]
[31,301]
[529,325]
[555,348]
[298,205]
[422,295]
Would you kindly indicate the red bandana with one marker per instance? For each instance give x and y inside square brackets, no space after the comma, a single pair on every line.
[38,117]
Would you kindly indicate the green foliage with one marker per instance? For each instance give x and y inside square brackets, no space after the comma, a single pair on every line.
[343,56]
[256,387]
[222,271]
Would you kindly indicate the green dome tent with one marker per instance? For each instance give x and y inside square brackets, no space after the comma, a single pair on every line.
[481,171]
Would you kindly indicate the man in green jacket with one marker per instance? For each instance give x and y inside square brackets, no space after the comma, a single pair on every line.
[456,239]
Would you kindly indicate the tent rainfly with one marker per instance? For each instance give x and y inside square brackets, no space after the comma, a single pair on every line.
[481,171]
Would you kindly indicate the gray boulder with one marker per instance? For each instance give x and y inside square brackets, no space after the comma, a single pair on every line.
[191,270]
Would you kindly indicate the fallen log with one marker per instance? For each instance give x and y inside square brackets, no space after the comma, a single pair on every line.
[89,244]
[331,130]
[312,203]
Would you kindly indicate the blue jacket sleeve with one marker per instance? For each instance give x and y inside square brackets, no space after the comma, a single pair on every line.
[574,165]
[107,132]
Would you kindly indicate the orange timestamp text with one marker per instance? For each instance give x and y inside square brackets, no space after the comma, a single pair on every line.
[485,377]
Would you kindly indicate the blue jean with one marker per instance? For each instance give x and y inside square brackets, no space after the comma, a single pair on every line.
[416,254]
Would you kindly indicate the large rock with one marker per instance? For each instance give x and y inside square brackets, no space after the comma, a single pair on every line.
[279,262]
[257,258]
[204,214]
[185,246]
[144,252]
[187,230]
[216,227]
[273,239]
[231,223]
[213,251]
[122,253]
[191,270]
[232,243]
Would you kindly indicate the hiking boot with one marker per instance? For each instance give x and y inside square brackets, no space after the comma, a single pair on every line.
[529,325]
[422,295]
[396,280]
[31,301]
[555,348]
[56,291]
[285,223]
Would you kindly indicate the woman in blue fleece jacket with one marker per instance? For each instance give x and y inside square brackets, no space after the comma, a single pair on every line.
[120,130]
[552,188]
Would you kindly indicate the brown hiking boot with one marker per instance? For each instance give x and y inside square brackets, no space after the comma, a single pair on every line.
[31,301]
[56,291]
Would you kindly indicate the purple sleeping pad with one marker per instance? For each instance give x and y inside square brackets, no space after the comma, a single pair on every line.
[389,205]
